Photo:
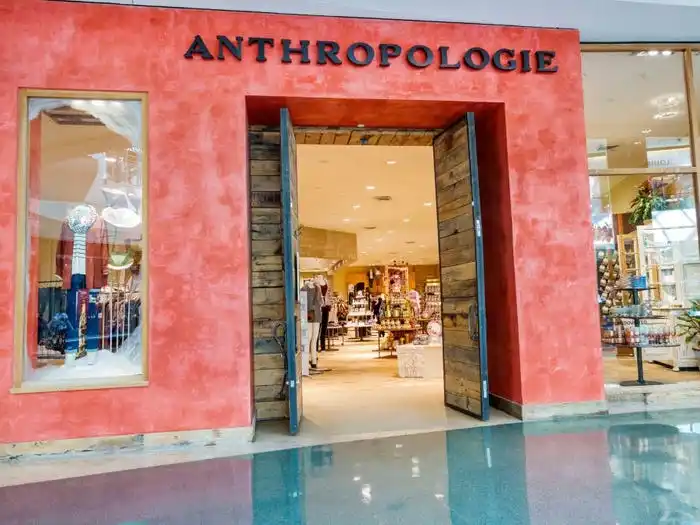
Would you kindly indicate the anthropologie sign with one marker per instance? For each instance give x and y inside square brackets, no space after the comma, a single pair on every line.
[420,56]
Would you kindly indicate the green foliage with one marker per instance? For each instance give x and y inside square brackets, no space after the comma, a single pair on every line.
[648,199]
[689,323]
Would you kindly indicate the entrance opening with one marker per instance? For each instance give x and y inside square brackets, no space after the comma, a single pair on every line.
[383,276]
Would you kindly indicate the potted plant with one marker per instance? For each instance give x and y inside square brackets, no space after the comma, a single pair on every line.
[648,199]
[689,326]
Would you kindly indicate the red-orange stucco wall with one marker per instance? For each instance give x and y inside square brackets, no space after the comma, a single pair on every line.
[199,337]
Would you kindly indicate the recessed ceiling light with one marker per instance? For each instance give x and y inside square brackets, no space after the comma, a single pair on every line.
[407,220]
[637,142]
[391,162]
[646,131]
[346,220]
[370,188]
[667,53]
[355,206]
[652,53]
[427,204]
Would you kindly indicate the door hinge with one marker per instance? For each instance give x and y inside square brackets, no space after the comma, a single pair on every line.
[478,227]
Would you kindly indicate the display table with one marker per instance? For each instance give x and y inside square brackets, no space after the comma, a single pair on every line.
[420,361]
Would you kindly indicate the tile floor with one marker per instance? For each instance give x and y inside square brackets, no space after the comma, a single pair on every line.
[607,470]
[360,397]
[379,404]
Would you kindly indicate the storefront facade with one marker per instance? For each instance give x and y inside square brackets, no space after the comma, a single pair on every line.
[194,95]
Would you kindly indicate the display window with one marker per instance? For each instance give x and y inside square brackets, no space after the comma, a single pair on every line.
[82,240]
[639,106]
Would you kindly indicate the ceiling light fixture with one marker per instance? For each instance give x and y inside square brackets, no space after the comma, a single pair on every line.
[355,206]
[407,220]
[370,188]
[346,220]
[646,131]
[427,204]
[667,53]
[653,52]
[391,162]
[665,115]
[637,142]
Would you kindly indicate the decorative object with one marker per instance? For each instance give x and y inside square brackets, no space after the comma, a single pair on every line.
[649,198]
[689,326]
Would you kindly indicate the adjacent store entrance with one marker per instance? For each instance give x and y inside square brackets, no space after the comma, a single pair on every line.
[434,322]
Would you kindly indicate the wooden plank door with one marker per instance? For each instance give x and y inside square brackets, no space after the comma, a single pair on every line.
[461,269]
[290,258]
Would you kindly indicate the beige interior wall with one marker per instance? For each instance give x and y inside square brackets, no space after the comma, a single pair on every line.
[67,174]
[346,275]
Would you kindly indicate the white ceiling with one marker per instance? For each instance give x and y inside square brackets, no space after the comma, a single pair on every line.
[334,179]
[598,20]
[623,92]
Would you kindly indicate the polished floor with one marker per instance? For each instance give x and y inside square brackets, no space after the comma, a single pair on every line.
[361,396]
[635,470]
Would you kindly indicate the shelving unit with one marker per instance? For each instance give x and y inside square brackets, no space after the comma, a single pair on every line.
[674,282]
[640,345]
[360,317]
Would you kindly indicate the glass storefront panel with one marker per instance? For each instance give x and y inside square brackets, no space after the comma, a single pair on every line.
[636,110]
[648,269]
[84,240]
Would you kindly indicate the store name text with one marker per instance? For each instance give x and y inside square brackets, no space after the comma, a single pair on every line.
[419,56]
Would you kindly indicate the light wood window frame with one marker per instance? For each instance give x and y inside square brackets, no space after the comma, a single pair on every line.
[693,110]
[19,384]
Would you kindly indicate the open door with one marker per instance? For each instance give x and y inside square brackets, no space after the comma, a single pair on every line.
[290,261]
[461,269]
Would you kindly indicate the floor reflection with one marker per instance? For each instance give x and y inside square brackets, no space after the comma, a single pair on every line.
[621,470]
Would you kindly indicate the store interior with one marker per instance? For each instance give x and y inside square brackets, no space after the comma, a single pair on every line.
[643,203]
[369,239]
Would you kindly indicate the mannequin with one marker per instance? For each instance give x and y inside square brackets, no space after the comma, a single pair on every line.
[314,300]
[325,309]
[81,260]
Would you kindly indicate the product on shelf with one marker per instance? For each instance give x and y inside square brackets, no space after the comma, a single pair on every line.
[431,300]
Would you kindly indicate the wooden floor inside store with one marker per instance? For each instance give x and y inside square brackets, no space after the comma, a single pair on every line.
[618,369]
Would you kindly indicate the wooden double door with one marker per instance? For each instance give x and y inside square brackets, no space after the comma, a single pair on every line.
[461,268]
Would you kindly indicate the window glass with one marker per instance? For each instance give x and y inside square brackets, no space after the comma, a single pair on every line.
[84,242]
[648,271]
[636,110]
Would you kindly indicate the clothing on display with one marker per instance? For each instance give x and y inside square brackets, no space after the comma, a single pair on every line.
[91,247]
[314,307]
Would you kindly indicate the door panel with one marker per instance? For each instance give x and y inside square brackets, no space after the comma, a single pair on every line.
[461,269]
[290,254]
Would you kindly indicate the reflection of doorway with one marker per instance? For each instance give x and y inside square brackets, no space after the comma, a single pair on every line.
[459,229]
